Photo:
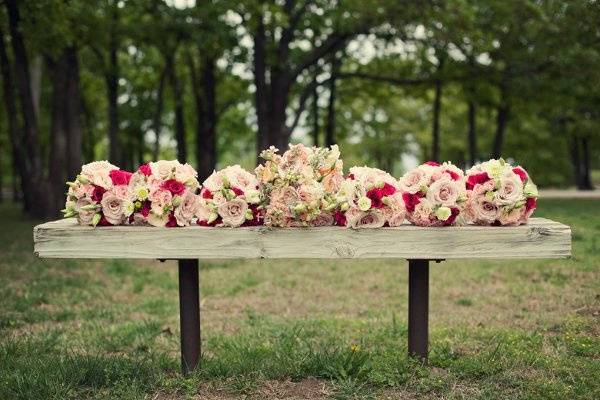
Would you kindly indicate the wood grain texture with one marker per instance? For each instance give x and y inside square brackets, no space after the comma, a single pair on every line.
[540,238]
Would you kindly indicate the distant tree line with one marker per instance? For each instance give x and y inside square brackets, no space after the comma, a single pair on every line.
[213,83]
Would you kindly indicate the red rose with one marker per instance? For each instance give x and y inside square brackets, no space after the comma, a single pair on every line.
[411,200]
[454,213]
[172,222]
[145,169]
[339,218]
[206,194]
[120,177]
[98,193]
[145,209]
[173,186]
[521,172]
[104,222]
[257,217]
[475,179]
[375,195]
[530,203]
[237,191]
[388,189]
[452,174]
[351,176]
[433,163]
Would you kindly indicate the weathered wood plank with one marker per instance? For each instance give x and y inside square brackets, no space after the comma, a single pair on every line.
[540,238]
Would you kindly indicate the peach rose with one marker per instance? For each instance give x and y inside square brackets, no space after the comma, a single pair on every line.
[333,182]
[233,212]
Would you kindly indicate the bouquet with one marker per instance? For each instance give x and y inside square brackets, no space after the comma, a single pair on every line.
[500,194]
[298,188]
[230,197]
[164,194]
[369,198]
[434,194]
[100,195]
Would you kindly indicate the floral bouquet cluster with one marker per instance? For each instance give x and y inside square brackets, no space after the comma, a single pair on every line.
[164,194]
[434,194]
[298,187]
[369,198]
[100,195]
[304,186]
[500,194]
[230,197]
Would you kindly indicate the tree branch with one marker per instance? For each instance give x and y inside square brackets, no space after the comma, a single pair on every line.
[304,95]
[334,42]
[387,79]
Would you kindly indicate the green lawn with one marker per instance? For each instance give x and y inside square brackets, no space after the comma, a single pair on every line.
[302,329]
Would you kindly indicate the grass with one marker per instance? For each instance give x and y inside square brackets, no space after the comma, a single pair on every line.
[302,329]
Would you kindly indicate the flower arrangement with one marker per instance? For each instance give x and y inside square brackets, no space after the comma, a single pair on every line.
[100,195]
[434,194]
[500,194]
[369,198]
[298,187]
[302,187]
[230,197]
[164,194]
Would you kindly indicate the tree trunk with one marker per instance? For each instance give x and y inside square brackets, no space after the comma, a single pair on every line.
[73,110]
[206,143]
[330,125]
[501,120]
[586,181]
[315,114]
[157,118]
[576,161]
[178,105]
[472,133]
[261,92]
[58,136]
[36,82]
[112,85]
[31,173]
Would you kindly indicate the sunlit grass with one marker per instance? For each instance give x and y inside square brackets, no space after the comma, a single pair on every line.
[109,329]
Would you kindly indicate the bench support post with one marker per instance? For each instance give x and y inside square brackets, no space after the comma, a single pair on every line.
[189,314]
[418,308]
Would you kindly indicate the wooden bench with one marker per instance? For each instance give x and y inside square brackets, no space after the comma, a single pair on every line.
[540,238]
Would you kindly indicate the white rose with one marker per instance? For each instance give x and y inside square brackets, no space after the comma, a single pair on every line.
[164,169]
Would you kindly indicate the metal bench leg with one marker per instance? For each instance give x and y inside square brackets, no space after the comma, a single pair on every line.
[189,314]
[418,308]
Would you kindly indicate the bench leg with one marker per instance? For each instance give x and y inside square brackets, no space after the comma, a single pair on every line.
[418,308]
[189,314]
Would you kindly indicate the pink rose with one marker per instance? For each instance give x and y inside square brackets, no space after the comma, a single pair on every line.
[512,217]
[370,219]
[145,169]
[233,212]
[413,180]
[173,186]
[84,217]
[422,214]
[186,210]
[444,192]
[396,218]
[160,198]
[323,219]
[112,208]
[482,211]
[120,177]
[332,182]
[510,190]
